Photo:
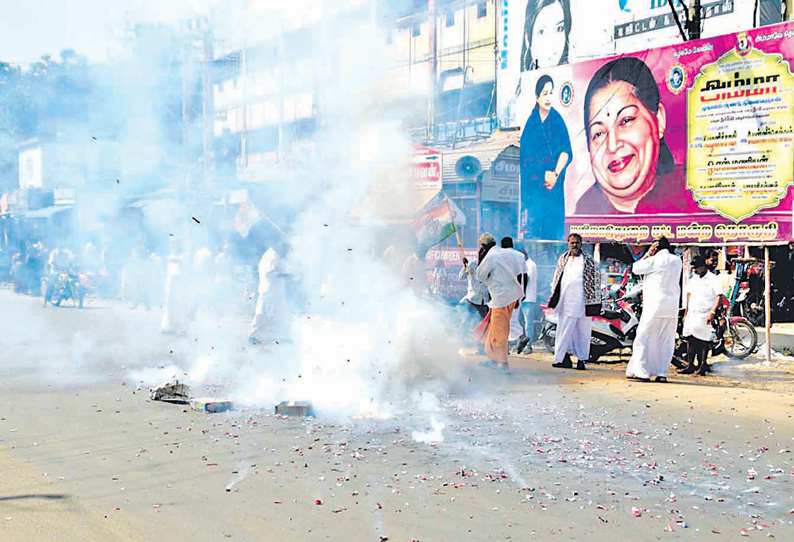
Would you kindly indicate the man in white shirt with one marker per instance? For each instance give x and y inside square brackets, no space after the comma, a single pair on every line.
[516,331]
[661,291]
[575,288]
[703,298]
[271,319]
[499,271]
[476,297]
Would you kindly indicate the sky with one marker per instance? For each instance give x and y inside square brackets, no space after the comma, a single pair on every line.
[32,28]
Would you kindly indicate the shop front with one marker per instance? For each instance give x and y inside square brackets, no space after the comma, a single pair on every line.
[481,181]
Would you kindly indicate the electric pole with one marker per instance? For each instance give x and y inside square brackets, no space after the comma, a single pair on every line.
[693,20]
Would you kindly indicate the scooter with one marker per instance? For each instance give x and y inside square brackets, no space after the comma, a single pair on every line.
[614,329]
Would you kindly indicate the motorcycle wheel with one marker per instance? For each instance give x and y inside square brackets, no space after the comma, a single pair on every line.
[548,339]
[741,339]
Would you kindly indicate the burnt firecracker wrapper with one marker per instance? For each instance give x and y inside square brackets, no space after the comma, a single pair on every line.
[210,405]
[295,408]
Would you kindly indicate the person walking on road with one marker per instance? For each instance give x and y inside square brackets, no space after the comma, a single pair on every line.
[271,319]
[703,298]
[498,270]
[661,293]
[576,297]
[476,298]
[529,308]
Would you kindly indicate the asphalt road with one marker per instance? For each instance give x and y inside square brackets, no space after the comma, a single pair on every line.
[537,454]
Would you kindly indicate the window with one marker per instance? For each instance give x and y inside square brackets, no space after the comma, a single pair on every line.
[415,29]
[450,18]
[482,9]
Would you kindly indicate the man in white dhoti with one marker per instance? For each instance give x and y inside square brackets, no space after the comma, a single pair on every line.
[576,296]
[661,292]
[703,298]
[516,331]
[271,321]
[498,270]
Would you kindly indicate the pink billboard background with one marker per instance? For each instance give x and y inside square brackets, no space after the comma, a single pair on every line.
[669,208]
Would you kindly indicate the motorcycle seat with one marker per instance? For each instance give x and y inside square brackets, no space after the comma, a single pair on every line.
[610,315]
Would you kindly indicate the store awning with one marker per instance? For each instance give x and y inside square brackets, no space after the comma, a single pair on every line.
[48,212]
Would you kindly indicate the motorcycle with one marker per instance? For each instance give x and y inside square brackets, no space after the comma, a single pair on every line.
[747,298]
[67,286]
[733,336]
[614,329]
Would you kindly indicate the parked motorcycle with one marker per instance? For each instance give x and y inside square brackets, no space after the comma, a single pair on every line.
[733,336]
[614,329]
[67,286]
[747,299]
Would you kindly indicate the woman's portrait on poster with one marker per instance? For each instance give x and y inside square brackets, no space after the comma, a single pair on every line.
[545,155]
[625,123]
[547,25]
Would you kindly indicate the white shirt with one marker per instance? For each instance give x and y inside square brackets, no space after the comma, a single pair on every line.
[498,271]
[269,263]
[521,265]
[572,288]
[532,284]
[703,292]
[661,290]
[477,292]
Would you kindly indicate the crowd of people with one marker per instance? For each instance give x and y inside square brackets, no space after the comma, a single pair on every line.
[502,293]
[501,298]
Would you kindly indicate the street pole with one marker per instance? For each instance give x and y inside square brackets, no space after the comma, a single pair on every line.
[694,20]
[767,310]
[281,67]
[431,24]
[206,108]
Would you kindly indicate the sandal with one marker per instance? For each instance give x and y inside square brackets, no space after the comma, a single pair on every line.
[661,379]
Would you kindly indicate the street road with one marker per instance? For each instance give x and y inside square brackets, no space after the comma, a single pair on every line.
[537,454]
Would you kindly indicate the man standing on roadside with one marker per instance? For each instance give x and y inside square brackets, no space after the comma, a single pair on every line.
[499,271]
[655,342]
[575,297]
[529,308]
[703,299]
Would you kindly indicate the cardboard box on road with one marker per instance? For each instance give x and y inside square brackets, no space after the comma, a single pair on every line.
[210,405]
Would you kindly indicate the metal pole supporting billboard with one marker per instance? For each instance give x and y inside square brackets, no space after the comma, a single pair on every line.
[767,310]
[431,26]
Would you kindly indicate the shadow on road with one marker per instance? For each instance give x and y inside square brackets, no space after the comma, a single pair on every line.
[45,496]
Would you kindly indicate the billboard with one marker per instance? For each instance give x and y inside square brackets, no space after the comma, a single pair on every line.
[694,141]
[541,34]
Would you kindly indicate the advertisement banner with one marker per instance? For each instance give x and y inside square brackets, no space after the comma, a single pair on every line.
[426,168]
[695,141]
[542,34]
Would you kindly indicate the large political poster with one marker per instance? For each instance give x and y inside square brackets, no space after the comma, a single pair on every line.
[693,141]
[542,34]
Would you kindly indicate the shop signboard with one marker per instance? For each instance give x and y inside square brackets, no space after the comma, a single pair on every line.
[426,168]
[500,191]
[443,270]
[694,141]
[64,196]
